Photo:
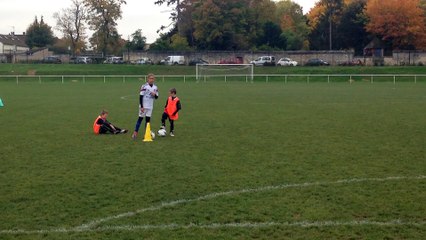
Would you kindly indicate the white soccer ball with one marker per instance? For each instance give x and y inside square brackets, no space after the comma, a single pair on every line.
[152,134]
[162,132]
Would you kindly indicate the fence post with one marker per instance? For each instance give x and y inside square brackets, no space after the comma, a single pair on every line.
[225,78]
[17,80]
[84,79]
[267,78]
[104,80]
[285,81]
[328,78]
[372,79]
[124,79]
[184,78]
[394,79]
[415,78]
[62,79]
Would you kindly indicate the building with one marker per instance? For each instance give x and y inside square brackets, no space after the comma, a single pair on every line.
[12,45]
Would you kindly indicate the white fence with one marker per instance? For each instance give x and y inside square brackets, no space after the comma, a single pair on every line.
[284,78]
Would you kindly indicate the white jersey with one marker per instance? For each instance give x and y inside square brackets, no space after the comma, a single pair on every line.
[148,99]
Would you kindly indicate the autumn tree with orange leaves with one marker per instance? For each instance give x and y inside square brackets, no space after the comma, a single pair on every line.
[400,22]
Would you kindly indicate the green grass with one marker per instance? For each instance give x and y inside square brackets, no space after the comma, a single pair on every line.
[111,69]
[230,136]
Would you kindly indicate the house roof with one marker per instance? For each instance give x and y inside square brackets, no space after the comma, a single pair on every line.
[11,39]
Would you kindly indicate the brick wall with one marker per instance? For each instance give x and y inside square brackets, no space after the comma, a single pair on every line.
[333,57]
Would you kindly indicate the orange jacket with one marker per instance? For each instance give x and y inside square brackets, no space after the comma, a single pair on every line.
[96,126]
[171,108]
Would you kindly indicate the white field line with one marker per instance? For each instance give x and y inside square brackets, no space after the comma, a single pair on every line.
[301,224]
[92,226]
[94,223]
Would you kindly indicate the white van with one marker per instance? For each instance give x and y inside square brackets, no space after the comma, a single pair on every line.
[264,61]
[173,60]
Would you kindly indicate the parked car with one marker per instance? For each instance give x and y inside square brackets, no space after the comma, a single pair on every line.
[143,61]
[286,62]
[173,60]
[114,60]
[316,62]
[196,61]
[264,61]
[235,60]
[82,60]
[51,59]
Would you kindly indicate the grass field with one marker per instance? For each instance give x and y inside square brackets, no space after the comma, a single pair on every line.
[249,161]
[113,69]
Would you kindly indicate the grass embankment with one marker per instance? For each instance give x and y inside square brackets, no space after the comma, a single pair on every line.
[111,69]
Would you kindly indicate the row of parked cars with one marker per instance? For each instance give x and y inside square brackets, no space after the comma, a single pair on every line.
[180,60]
[170,60]
[270,61]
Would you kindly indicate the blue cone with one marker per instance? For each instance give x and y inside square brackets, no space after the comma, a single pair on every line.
[1,103]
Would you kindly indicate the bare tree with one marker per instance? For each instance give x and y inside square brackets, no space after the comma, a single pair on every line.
[70,21]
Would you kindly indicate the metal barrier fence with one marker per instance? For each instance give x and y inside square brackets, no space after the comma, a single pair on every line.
[285,78]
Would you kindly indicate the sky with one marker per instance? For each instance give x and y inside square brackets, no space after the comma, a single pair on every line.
[17,15]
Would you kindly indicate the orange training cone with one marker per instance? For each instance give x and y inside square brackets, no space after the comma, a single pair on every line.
[147,137]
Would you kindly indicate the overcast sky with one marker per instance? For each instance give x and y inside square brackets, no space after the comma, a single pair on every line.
[17,15]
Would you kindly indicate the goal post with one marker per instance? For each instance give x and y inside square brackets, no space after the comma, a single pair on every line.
[204,71]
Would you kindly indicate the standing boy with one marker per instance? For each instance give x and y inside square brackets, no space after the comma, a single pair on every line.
[171,111]
[148,93]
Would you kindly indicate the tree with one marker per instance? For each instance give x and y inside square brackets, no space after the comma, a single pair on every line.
[401,22]
[114,44]
[179,43]
[103,16]
[61,46]
[161,44]
[351,28]
[70,22]
[39,34]
[137,42]
[259,13]
[164,41]
[293,24]
[272,37]
[423,6]
[176,15]
[323,20]
[223,25]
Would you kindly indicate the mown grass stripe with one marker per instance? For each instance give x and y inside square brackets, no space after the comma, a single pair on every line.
[300,224]
[92,226]
[243,191]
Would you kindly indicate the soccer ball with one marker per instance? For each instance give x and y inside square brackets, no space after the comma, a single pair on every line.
[152,134]
[162,132]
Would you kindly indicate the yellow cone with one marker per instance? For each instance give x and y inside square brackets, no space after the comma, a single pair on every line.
[147,137]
